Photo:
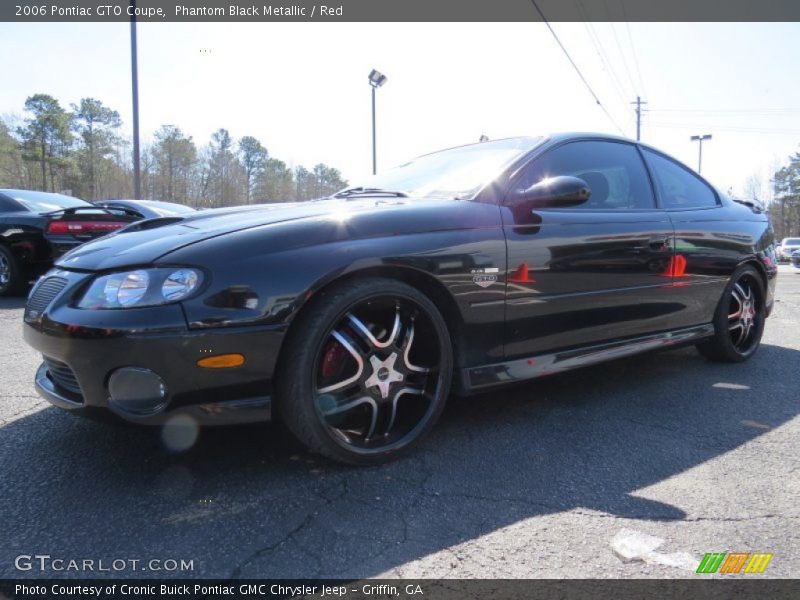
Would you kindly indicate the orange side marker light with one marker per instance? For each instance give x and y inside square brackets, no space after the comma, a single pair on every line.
[221,361]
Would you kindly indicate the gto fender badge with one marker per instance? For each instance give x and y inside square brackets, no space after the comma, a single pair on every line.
[484,277]
[484,280]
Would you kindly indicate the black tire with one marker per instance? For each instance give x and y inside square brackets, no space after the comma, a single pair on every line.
[10,273]
[355,398]
[738,320]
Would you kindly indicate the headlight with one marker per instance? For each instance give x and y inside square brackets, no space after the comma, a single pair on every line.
[141,287]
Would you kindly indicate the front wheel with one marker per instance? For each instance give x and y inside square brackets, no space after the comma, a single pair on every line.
[365,371]
[739,319]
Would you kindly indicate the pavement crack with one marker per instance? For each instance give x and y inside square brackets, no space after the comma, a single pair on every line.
[305,523]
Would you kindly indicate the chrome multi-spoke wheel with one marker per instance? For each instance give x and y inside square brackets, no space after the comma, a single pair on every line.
[742,318]
[377,373]
[739,320]
[5,271]
[9,278]
[367,371]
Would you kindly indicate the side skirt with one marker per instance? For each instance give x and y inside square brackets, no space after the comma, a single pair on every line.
[476,379]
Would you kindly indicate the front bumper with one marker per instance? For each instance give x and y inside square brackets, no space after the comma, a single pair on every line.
[83,348]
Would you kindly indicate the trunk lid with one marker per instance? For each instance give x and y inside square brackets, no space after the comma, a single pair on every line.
[82,224]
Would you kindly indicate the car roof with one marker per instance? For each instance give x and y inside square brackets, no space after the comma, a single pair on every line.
[544,138]
[570,135]
[130,200]
[16,194]
[12,191]
[142,202]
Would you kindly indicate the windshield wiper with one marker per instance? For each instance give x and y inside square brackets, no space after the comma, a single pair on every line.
[368,191]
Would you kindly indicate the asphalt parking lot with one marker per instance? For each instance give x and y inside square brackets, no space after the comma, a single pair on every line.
[631,469]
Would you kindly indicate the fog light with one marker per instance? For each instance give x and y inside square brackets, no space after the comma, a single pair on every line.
[137,391]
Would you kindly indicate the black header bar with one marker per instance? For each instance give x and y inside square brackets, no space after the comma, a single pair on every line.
[397,10]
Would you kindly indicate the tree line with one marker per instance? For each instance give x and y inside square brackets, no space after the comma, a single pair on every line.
[80,150]
[784,210]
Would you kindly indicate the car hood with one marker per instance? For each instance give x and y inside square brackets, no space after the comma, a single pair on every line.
[146,241]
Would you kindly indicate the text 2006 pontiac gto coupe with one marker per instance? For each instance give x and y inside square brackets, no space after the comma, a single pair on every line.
[354,317]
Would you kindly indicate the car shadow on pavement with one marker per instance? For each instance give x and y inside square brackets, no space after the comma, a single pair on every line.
[249,502]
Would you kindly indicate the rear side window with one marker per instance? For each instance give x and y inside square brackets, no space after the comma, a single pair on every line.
[613,171]
[677,186]
[8,205]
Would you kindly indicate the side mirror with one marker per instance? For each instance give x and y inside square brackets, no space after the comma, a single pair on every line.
[563,190]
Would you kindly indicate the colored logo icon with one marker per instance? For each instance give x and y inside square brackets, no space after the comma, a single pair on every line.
[734,562]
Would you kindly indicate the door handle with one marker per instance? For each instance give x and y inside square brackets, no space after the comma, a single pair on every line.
[658,242]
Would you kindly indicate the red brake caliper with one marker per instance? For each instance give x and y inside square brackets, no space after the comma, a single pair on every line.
[332,358]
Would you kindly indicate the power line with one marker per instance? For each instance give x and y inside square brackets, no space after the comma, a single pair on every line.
[577,70]
[622,54]
[732,129]
[598,46]
[633,48]
[728,111]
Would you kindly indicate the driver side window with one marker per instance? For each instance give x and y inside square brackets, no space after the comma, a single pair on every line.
[614,172]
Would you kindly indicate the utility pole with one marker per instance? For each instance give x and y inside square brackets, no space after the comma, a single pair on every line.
[137,184]
[638,104]
[701,139]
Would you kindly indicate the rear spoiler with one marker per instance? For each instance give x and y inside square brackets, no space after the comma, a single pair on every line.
[73,210]
[754,205]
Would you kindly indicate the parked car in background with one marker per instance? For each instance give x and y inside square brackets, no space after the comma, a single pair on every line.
[787,246]
[147,209]
[475,267]
[38,227]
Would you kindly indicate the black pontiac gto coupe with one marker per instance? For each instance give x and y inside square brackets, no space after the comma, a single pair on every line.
[354,317]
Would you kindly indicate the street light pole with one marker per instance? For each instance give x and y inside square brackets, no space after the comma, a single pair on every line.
[700,139]
[137,184]
[376,80]
[374,152]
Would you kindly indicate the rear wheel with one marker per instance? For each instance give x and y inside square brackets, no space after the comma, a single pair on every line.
[10,276]
[739,319]
[365,372]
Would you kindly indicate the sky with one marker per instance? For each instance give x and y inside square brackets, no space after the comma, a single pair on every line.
[302,89]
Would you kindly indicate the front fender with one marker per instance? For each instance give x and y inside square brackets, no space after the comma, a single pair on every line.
[272,288]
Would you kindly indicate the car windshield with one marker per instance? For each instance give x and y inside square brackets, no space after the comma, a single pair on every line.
[43,201]
[455,173]
[791,242]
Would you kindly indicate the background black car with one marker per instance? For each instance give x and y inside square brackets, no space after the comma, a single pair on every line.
[147,209]
[355,316]
[38,227]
